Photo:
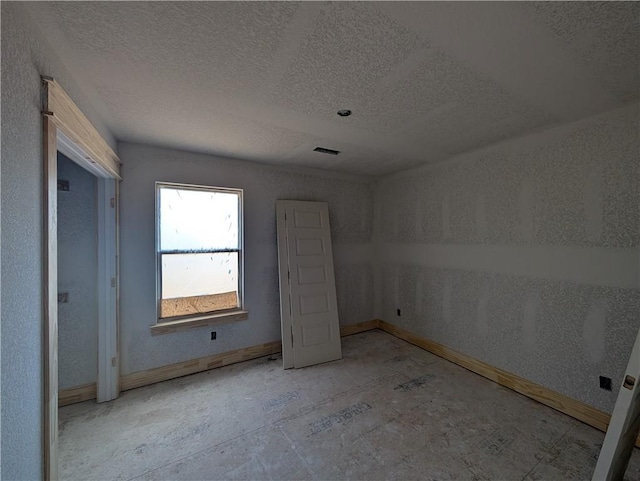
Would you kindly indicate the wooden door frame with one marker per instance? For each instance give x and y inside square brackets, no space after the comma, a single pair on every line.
[65,126]
[50,291]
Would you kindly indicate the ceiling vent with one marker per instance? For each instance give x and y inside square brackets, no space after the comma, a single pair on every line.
[326,151]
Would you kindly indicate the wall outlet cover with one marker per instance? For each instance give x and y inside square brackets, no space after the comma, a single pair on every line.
[605,383]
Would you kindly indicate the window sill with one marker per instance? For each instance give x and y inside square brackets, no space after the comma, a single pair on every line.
[201,321]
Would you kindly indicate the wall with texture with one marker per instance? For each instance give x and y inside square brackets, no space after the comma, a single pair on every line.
[351,215]
[25,56]
[77,276]
[524,255]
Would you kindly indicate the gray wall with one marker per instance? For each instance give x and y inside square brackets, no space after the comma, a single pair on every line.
[25,56]
[524,255]
[351,215]
[539,315]
[77,276]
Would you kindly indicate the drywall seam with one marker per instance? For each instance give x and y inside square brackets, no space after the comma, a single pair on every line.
[613,267]
[353,253]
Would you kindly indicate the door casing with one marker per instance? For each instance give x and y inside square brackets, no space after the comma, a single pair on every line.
[66,129]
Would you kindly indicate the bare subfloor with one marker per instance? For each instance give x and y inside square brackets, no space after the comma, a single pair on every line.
[387,410]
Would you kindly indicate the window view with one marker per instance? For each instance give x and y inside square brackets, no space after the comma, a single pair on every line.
[199,250]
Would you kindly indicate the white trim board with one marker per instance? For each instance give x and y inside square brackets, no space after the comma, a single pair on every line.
[108,375]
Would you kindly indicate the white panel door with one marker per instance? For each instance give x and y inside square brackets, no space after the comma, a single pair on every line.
[624,425]
[307,283]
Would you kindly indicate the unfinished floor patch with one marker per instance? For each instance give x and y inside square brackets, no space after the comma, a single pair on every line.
[387,410]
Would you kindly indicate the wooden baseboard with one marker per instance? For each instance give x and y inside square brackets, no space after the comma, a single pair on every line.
[76,394]
[566,405]
[172,371]
[359,327]
[164,373]
[569,406]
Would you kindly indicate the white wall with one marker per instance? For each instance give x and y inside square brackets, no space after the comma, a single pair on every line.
[25,56]
[524,255]
[351,212]
[545,327]
[77,276]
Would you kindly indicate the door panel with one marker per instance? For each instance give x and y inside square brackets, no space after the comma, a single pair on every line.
[312,274]
[310,247]
[307,219]
[308,296]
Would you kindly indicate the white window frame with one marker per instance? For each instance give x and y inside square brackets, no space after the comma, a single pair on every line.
[171,324]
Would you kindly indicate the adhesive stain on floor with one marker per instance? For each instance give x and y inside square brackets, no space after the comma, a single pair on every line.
[387,410]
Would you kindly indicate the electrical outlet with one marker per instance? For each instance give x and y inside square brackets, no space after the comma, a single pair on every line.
[213,335]
[63,185]
[63,297]
[605,383]
[399,312]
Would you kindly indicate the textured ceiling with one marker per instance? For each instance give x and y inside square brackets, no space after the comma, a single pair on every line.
[425,80]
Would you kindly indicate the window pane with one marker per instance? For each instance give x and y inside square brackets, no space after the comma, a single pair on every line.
[198,283]
[196,219]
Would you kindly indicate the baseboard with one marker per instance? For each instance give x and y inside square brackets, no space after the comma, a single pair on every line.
[359,327]
[76,394]
[172,371]
[566,405]
[569,406]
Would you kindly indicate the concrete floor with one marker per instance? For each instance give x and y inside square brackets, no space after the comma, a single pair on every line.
[387,410]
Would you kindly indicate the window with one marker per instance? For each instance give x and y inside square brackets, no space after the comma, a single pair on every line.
[198,251]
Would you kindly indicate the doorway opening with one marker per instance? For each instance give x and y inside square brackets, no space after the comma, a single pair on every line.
[68,131]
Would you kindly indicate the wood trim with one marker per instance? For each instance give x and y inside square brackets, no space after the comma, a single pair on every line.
[569,406]
[151,376]
[50,300]
[63,122]
[359,327]
[209,320]
[564,404]
[164,373]
[77,127]
[77,394]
